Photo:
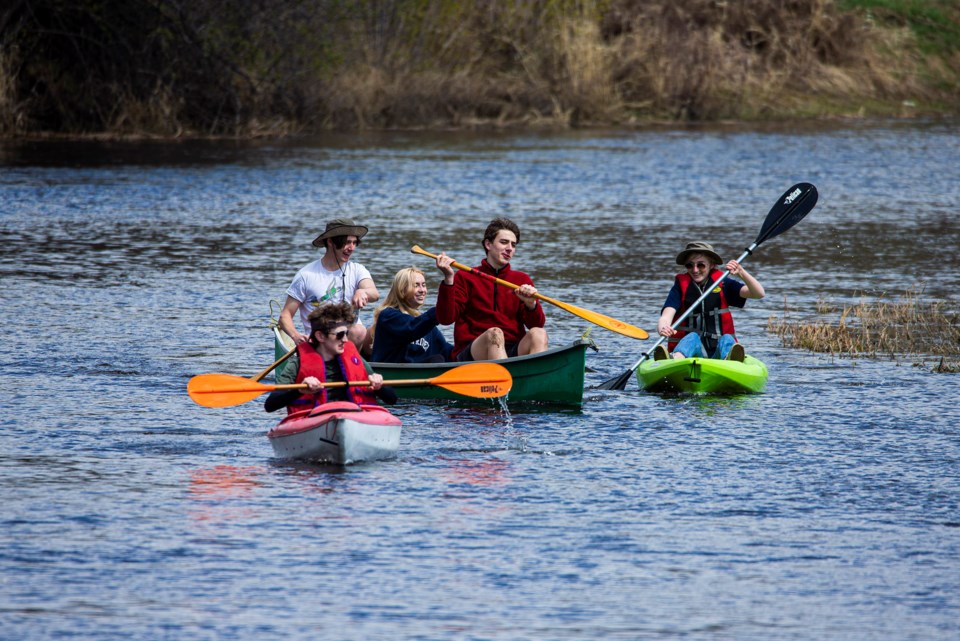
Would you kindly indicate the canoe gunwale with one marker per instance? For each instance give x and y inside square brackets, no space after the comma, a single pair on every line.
[555,376]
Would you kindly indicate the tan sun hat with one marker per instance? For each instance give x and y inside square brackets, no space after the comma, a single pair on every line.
[340,227]
[698,247]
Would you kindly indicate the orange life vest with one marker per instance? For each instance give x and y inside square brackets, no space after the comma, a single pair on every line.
[351,365]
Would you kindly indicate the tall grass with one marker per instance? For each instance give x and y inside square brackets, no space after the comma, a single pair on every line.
[244,67]
[908,326]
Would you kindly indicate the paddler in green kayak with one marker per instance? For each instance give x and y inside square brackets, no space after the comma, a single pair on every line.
[708,330]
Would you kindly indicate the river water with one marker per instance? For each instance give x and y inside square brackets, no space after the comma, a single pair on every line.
[826,508]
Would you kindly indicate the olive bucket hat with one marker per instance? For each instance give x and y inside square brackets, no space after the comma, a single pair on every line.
[698,248]
[340,227]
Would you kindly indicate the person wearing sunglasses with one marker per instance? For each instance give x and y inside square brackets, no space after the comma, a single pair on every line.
[328,356]
[708,331]
[490,321]
[332,278]
[400,332]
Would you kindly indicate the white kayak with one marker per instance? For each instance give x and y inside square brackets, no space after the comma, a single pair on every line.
[339,433]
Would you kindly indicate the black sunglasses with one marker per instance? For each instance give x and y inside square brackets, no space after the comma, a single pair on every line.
[699,265]
[339,335]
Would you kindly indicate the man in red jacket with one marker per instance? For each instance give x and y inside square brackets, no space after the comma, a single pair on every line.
[491,321]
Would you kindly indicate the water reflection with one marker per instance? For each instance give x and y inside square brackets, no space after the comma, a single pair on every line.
[485,472]
[224,482]
[224,493]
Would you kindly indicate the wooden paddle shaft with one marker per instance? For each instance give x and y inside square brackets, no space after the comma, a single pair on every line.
[473,270]
[259,377]
[599,319]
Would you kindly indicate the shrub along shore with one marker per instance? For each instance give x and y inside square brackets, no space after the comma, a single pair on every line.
[174,68]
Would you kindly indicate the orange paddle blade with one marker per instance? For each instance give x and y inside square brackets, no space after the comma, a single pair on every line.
[224,390]
[479,380]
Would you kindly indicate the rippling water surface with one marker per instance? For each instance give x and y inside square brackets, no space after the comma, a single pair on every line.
[826,508]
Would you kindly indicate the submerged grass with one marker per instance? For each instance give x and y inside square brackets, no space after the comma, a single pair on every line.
[907,327]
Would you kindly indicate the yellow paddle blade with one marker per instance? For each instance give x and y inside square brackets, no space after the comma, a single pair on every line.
[599,319]
[479,380]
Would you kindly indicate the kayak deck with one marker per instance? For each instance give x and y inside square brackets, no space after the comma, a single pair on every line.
[703,376]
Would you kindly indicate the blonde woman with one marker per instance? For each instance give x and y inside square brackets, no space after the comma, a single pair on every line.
[401,334]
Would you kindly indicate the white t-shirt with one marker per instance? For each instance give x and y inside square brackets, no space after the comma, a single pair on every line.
[315,285]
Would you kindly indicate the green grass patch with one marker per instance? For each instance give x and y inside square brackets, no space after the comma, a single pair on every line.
[936,23]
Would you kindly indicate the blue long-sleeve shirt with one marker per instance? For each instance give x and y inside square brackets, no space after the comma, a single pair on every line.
[402,338]
[731,290]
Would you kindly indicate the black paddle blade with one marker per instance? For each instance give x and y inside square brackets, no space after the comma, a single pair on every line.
[794,204]
[618,383]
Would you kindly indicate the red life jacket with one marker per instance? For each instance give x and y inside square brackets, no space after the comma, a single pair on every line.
[351,365]
[704,320]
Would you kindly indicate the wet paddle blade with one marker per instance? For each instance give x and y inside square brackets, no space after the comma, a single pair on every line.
[794,204]
[478,380]
[617,383]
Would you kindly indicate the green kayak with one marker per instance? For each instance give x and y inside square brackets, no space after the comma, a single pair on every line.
[703,375]
[554,376]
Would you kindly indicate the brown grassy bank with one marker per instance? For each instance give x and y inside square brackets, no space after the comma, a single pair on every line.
[249,67]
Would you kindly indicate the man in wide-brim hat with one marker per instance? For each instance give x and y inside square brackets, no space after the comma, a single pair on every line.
[708,330]
[333,278]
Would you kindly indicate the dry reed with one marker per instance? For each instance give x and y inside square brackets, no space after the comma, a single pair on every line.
[908,327]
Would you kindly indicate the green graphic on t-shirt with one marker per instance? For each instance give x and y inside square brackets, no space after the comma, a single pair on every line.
[331,293]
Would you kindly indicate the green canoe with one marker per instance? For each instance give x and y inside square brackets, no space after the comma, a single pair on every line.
[703,375]
[553,376]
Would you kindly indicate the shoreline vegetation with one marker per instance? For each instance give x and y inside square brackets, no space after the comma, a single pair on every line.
[251,68]
[909,326]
